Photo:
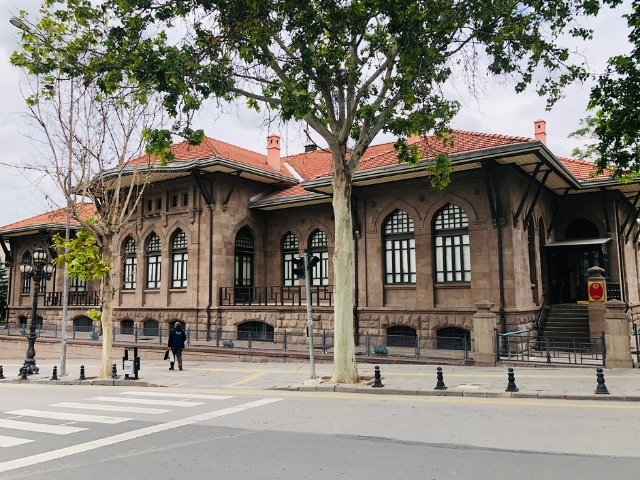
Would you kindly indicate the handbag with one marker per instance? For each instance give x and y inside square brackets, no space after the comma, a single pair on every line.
[166,354]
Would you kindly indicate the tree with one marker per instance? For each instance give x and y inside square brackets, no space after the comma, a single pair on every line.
[349,69]
[614,101]
[4,291]
[85,139]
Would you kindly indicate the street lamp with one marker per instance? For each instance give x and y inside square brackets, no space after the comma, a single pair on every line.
[38,269]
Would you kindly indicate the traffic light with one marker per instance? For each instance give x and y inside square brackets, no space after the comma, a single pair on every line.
[298,267]
[313,261]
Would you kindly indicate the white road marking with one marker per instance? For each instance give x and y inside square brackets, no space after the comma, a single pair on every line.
[144,401]
[108,408]
[197,396]
[75,417]
[39,427]
[123,437]
[12,441]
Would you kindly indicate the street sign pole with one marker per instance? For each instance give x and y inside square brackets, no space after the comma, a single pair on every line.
[307,282]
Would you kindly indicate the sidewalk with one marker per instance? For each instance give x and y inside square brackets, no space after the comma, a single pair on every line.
[544,383]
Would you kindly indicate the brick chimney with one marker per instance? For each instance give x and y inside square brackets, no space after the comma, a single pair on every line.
[540,130]
[273,151]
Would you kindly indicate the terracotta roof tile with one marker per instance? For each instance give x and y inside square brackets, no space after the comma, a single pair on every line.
[212,148]
[293,191]
[56,217]
[583,170]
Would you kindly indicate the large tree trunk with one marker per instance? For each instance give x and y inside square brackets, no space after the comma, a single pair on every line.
[107,313]
[344,352]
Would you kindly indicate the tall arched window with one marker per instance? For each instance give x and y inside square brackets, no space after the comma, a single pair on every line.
[533,271]
[130,264]
[180,259]
[399,248]
[150,328]
[244,252]
[290,250]
[26,280]
[453,258]
[319,247]
[153,261]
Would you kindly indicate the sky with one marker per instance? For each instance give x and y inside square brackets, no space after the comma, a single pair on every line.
[496,109]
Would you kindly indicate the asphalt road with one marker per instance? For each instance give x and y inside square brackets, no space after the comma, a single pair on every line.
[144,433]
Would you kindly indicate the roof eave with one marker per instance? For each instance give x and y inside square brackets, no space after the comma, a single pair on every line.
[34,229]
[285,201]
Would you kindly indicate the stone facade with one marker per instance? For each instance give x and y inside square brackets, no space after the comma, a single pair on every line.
[426,305]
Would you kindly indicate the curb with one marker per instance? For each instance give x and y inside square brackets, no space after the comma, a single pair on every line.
[98,382]
[543,395]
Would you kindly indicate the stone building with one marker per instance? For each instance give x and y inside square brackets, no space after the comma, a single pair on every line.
[213,242]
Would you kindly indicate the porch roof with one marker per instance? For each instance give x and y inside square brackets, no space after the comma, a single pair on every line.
[585,242]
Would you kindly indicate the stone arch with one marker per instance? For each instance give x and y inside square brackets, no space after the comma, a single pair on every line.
[150,327]
[400,320]
[153,228]
[318,226]
[562,225]
[253,229]
[427,221]
[445,321]
[127,326]
[282,232]
[257,328]
[453,338]
[401,336]
[397,204]
[179,224]
[124,236]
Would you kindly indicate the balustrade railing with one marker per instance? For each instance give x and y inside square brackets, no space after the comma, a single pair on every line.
[76,299]
[321,295]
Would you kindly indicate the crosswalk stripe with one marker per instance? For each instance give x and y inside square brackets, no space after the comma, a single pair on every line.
[177,395]
[39,427]
[109,408]
[12,441]
[73,417]
[145,401]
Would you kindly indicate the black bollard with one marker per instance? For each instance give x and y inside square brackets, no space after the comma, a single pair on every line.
[55,374]
[82,377]
[511,386]
[602,388]
[440,384]
[114,372]
[2,377]
[23,373]
[377,383]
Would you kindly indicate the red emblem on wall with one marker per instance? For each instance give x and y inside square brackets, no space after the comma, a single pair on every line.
[596,292]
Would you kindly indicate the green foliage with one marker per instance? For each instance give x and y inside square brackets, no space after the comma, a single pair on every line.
[348,69]
[615,102]
[84,259]
[95,315]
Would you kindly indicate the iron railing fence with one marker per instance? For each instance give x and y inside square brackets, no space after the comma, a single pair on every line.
[527,347]
[635,336]
[76,299]
[321,295]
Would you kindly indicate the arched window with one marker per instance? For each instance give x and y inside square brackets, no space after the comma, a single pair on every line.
[399,248]
[126,327]
[244,252]
[83,324]
[451,238]
[319,247]
[290,250]
[453,338]
[26,280]
[180,259]
[150,328]
[401,336]
[581,228]
[257,330]
[533,271]
[153,261]
[130,264]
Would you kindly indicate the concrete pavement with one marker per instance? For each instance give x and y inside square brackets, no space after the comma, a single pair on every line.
[543,383]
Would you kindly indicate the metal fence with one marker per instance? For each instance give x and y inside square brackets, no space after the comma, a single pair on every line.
[524,347]
[321,295]
[636,339]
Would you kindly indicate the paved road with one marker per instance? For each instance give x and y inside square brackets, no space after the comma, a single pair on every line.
[70,432]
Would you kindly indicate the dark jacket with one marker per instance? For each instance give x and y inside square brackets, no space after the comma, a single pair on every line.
[177,338]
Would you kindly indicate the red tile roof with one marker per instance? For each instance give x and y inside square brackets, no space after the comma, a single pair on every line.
[212,148]
[583,170]
[58,217]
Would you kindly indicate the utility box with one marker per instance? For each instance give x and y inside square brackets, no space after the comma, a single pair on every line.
[131,366]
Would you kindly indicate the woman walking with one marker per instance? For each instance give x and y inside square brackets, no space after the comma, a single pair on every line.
[177,339]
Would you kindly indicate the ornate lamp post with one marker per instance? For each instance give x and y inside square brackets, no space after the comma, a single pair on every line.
[40,269]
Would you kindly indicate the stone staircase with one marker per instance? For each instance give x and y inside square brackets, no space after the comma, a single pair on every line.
[567,320]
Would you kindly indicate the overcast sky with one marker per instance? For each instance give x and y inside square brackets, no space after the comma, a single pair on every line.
[498,110]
